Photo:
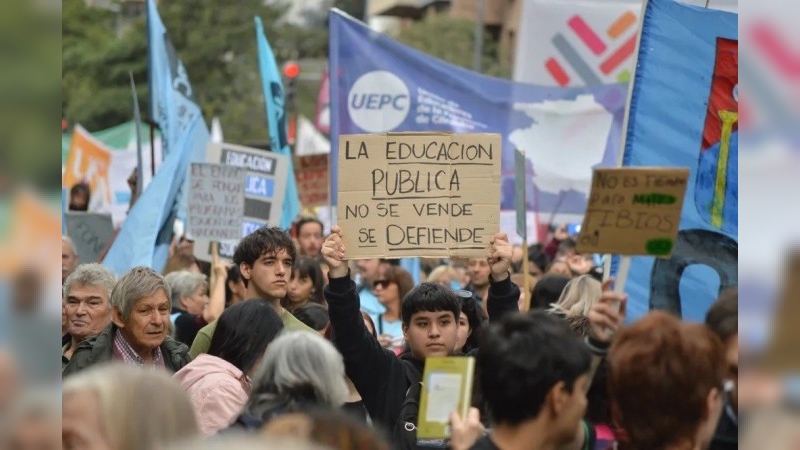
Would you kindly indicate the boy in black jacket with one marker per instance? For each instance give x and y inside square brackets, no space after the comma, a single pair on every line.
[430,325]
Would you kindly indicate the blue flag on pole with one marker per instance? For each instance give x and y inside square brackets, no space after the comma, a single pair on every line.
[684,113]
[275,101]
[147,231]
[172,102]
[146,234]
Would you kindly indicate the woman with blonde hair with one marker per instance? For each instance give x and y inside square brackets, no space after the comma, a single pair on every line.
[578,297]
[121,407]
[444,275]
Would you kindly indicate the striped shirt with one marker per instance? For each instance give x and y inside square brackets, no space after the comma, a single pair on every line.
[124,352]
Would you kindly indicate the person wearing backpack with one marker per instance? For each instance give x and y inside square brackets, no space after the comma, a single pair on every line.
[390,385]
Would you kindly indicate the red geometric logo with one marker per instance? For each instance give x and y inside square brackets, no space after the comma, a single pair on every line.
[610,59]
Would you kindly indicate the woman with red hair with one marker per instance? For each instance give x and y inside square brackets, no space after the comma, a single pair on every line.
[665,382]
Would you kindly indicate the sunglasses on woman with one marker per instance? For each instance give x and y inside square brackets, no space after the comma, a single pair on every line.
[382,283]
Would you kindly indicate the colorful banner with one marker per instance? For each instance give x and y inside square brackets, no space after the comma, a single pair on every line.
[579,43]
[311,173]
[274,101]
[699,131]
[379,85]
[88,161]
[771,72]
[120,141]
[582,42]
[29,237]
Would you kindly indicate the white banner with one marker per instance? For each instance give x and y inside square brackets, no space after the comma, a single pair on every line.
[582,42]
[309,140]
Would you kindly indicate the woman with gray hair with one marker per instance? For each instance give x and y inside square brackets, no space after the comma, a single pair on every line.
[300,371]
[139,326]
[119,407]
[192,309]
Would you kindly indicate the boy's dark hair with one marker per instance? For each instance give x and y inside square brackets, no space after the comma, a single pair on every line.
[312,314]
[80,188]
[430,297]
[723,316]
[263,241]
[304,220]
[243,332]
[566,245]
[522,357]
[547,291]
[471,307]
[538,257]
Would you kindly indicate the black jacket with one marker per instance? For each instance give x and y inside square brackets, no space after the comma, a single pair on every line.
[379,375]
[726,436]
[97,349]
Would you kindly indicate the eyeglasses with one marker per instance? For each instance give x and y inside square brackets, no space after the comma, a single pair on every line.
[382,283]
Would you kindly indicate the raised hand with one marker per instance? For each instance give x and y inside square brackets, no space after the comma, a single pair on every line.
[334,253]
[608,314]
[464,433]
[561,233]
[500,256]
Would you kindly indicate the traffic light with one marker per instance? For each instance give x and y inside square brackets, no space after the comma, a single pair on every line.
[290,71]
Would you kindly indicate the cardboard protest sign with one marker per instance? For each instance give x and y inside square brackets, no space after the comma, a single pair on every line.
[264,189]
[634,211]
[419,194]
[311,174]
[90,232]
[216,201]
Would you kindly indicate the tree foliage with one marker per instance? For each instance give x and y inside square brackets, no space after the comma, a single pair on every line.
[216,42]
[95,65]
[453,40]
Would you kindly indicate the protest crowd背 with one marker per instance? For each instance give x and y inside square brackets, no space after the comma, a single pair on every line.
[442,260]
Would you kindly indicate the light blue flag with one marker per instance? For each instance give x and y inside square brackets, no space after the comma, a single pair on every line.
[414,267]
[146,234]
[172,102]
[684,113]
[275,101]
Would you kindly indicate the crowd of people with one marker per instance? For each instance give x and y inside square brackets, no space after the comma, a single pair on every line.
[293,340]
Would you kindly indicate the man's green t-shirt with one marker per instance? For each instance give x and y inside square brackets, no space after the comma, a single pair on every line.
[202,342]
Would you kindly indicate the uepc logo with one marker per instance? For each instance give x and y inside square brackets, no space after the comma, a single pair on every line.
[378,101]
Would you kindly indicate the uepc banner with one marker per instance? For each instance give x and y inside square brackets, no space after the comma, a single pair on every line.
[379,85]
